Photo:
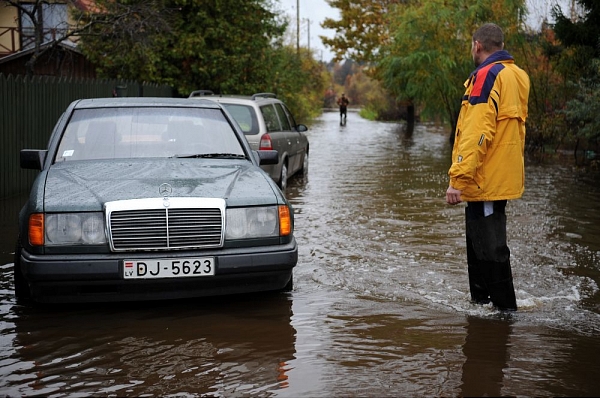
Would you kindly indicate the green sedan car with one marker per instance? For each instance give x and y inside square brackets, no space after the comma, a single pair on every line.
[149,199]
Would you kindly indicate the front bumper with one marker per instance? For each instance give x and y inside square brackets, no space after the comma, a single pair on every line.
[99,277]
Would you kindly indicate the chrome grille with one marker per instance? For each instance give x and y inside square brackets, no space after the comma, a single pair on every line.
[164,228]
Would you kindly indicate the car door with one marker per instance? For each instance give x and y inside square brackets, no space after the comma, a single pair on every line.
[273,125]
[291,137]
[298,139]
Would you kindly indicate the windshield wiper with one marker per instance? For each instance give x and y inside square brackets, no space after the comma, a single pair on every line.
[210,155]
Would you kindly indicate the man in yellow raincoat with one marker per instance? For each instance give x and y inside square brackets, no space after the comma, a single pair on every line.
[488,164]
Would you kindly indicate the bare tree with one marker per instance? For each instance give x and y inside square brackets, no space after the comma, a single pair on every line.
[133,20]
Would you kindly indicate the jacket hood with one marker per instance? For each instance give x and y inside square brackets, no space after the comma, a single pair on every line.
[86,186]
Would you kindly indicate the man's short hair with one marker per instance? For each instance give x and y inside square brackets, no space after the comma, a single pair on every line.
[490,36]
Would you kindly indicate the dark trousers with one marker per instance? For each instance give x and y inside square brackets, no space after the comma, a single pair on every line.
[488,256]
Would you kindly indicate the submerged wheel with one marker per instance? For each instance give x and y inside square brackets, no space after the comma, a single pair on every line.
[283,177]
[304,169]
[290,285]
[22,293]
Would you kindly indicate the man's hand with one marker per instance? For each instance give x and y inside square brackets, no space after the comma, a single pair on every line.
[453,196]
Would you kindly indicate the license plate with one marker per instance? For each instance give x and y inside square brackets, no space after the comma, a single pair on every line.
[168,268]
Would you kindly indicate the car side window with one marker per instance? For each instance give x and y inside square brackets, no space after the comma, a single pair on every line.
[270,116]
[285,122]
[290,116]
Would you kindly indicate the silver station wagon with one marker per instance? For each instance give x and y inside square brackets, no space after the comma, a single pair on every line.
[268,124]
[148,199]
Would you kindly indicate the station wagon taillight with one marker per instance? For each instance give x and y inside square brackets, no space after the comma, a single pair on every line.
[265,142]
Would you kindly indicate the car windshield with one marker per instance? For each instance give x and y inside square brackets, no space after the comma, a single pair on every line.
[140,132]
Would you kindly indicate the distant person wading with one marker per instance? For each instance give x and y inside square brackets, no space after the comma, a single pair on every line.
[343,103]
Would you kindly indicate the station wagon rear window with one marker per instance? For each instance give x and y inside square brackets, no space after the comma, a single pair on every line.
[245,116]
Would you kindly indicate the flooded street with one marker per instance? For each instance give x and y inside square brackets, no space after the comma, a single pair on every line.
[380,306]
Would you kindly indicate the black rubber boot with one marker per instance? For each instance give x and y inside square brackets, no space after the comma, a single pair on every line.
[489,260]
[500,285]
[477,286]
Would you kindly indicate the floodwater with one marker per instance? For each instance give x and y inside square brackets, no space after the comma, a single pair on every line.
[380,306]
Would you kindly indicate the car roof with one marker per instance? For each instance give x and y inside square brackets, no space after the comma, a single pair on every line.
[259,98]
[143,102]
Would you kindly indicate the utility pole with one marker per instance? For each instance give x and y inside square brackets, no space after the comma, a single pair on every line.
[298,27]
[308,23]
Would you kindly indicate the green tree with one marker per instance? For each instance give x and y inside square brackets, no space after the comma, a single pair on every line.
[582,112]
[361,30]
[538,54]
[123,38]
[189,44]
[428,56]
[360,33]
[342,71]
[299,80]
[229,47]
[582,32]
[579,61]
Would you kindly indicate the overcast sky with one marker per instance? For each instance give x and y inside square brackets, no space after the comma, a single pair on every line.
[317,10]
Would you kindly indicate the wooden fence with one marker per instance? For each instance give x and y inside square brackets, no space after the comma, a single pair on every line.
[30,107]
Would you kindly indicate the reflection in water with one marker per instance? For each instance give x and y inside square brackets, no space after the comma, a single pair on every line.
[9,213]
[372,219]
[380,306]
[229,348]
[486,351]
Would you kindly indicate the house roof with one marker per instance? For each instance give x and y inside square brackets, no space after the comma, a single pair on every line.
[65,44]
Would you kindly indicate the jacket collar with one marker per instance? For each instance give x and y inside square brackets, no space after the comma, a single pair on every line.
[501,55]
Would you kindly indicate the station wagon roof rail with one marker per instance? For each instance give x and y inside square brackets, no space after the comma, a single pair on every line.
[267,95]
[205,92]
[197,93]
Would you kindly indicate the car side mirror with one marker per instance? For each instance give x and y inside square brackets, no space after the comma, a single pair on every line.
[33,159]
[301,128]
[268,157]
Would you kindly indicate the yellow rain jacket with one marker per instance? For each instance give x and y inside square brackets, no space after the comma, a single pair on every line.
[487,158]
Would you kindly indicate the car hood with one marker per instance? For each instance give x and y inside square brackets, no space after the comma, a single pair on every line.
[86,186]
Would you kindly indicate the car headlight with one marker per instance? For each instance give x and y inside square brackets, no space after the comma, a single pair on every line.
[74,228]
[255,222]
